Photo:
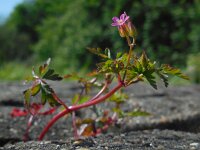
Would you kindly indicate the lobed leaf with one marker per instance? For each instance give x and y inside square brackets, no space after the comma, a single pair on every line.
[98,51]
[173,71]
[35,89]
[150,78]
[49,75]
[52,102]
[163,78]
[43,69]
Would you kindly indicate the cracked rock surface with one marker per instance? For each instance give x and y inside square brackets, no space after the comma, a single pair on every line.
[174,122]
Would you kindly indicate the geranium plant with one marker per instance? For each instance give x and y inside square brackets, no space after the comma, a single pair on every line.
[123,70]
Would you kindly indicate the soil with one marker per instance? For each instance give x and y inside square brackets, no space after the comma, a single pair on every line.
[174,122]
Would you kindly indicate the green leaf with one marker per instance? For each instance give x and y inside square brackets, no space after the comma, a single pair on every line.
[55,77]
[35,89]
[97,51]
[51,76]
[48,73]
[44,96]
[138,67]
[118,97]
[119,112]
[43,69]
[52,102]
[107,52]
[47,96]
[27,96]
[28,79]
[150,78]
[119,55]
[75,99]
[46,88]
[134,113]
[163,78]
[131,76]
[33,72]
[79,100]
[83,99]
[144,60]
[173,71]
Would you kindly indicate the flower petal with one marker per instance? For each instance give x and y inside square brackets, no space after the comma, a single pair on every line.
[115,24]
[115,19]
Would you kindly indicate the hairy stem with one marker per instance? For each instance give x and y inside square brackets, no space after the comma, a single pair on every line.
[131,45]
[59,100]
[29,124]
[76,107]
[74,125]
[100,92]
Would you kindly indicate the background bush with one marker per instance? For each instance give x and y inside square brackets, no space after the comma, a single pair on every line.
[62,29]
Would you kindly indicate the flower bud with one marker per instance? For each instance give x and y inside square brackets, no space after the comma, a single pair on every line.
[122,32]
[130,29]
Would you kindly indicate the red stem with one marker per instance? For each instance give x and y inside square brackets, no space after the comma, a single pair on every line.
[59,100]
[30,121]
[74,108]
[74,125]
[100,92]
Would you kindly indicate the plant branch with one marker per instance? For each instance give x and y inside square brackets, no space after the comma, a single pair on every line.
[74,108]
[100,92]
[59,100]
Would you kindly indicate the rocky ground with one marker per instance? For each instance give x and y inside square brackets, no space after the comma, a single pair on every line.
[174,123]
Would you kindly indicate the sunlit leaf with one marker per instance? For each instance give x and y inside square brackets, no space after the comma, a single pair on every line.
[33,72]
[75,99]
[119,54]
[143,60]
[27,96]
[35,89]
[107,52]
[28,79]
[43,69]
[79,100]
[138,67]
[119,112]
[118,97]
[173,71]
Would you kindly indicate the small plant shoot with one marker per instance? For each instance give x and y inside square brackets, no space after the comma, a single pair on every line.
[122,70]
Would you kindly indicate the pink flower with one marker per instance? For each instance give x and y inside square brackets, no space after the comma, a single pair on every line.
[124,25]
[120,21]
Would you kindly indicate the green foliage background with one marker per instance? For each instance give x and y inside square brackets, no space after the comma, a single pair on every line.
[62,29]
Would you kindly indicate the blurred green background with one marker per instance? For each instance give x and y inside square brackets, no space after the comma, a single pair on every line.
[168,30]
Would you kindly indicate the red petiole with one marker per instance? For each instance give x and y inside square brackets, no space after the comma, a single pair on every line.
[77,107]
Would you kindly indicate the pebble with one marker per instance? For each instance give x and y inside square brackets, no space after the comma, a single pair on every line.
[194,146]
[82,148]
